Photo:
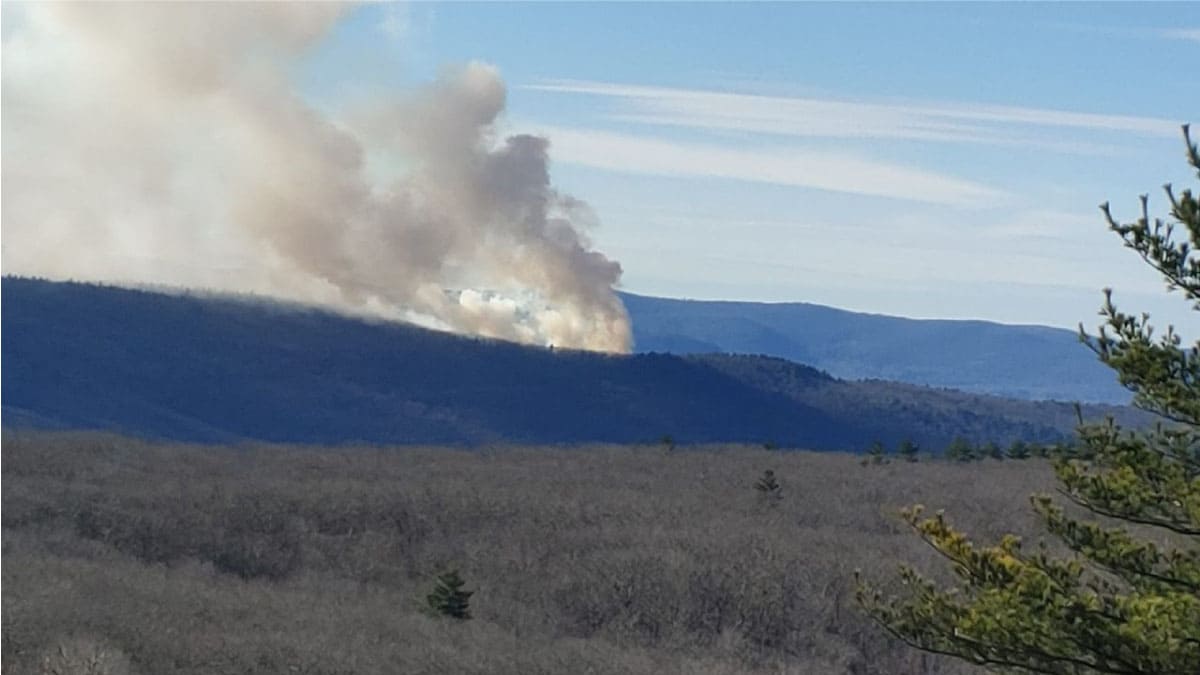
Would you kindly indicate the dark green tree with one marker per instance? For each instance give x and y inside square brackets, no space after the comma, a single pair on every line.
[768,487]
[960,450]
[1018,450]
[991,450]
[448,597]
[908,450]
[877,454]
[1128,600]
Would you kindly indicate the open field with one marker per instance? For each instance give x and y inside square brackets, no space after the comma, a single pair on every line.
[153,559]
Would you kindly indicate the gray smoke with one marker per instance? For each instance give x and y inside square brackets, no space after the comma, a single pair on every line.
[165,143]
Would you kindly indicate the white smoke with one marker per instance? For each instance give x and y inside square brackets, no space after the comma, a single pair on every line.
[165,143]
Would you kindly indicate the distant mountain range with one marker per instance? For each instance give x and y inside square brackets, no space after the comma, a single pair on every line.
[1028,362]
[218,369]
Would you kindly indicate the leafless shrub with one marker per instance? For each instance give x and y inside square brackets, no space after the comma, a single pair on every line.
[273,559]
[83,656]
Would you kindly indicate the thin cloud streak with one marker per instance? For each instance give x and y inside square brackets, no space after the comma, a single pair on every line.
[832,118]
[1189,34]
[836,172]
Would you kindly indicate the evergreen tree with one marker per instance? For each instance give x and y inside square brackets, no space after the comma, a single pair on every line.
[877,453]
[908,450]
[448,597]
[1018,450]
[960,450]
[992,450]
[1122,603]
[768,486]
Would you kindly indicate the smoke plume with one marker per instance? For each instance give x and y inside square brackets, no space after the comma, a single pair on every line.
[167,143]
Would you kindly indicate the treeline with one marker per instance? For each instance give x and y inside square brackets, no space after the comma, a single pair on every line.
[963,450]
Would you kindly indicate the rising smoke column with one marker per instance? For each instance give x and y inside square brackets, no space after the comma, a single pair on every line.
[165,143]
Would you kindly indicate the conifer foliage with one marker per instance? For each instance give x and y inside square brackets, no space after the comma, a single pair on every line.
[768,487]
[1128,599]
[448,597]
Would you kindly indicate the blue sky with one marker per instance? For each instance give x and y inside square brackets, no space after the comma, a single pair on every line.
[931,160]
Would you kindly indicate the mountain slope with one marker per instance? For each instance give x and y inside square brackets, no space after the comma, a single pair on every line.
[1029,362]
[218,369]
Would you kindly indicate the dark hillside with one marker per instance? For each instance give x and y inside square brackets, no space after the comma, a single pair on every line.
[896,405]
[204,369]
[217,369]
[1028,362]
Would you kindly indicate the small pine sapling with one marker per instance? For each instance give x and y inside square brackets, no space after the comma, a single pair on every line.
[877,454]
[768,487]
[960,450]
[1019,450]
[668,443]
[448,597]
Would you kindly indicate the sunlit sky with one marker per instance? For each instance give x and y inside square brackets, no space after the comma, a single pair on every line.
[924,160]
[933,160]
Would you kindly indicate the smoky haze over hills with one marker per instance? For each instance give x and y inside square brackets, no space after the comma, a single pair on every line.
[191,158]
[218,369]
[1029,362]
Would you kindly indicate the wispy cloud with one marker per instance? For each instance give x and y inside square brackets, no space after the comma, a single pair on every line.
[396,22]
[1190,34]
[834,118]
[840,172]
